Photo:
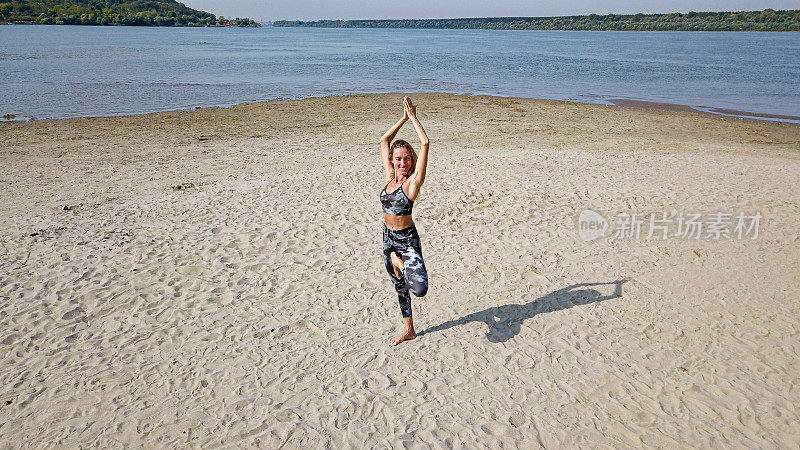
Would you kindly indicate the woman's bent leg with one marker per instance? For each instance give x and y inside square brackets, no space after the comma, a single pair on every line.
[414,272]
[403,296]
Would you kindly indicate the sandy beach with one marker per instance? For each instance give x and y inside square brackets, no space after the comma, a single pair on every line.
[214,278]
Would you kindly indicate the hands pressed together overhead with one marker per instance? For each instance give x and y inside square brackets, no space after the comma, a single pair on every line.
[409,110]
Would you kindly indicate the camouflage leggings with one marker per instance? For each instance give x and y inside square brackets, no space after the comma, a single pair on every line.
[415,278]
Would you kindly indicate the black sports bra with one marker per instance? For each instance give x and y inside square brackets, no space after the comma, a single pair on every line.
[397,202]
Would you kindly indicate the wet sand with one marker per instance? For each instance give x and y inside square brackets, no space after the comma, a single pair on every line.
[718,112]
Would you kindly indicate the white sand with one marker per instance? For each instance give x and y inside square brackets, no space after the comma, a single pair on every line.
[254,309]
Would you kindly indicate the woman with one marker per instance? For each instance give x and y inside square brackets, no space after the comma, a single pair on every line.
[402,253]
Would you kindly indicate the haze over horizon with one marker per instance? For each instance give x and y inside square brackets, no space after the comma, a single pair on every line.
[308,10]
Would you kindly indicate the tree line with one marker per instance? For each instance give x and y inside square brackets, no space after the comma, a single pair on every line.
[113,12]
[766,20]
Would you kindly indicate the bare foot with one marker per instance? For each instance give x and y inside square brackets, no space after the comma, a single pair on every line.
[397,263]
[406,336]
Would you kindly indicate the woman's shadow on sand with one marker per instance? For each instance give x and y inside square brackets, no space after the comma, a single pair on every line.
[504,322]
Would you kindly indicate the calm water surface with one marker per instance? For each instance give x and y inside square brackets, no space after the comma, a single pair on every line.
[72,71]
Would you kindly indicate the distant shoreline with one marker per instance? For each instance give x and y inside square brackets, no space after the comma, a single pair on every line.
[153,13]
[132,26]
[766,20]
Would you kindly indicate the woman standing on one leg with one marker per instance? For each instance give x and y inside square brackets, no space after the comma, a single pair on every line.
[402,253]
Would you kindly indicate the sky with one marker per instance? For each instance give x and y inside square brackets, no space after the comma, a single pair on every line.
[271,10]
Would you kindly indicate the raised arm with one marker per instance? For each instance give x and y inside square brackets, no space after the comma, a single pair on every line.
[386,139]
[418,177]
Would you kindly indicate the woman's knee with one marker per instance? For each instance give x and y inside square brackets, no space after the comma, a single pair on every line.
[419,289]
[416,275]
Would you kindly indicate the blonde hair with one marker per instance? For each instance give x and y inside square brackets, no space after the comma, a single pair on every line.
[404,144]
